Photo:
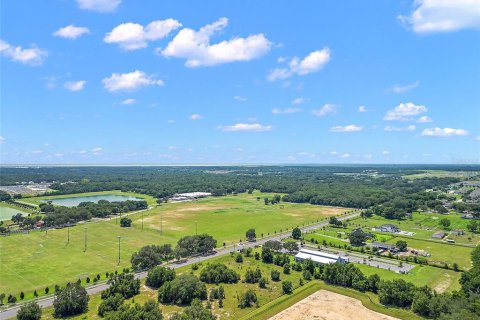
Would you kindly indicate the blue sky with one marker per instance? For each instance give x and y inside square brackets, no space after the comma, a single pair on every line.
[190,82]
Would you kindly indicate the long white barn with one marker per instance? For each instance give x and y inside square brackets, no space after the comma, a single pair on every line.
[319,257]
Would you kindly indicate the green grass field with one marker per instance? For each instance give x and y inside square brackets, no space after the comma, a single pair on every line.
[271,299]
[33,261]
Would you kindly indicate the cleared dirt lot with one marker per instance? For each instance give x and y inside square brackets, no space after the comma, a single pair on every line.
[328,305]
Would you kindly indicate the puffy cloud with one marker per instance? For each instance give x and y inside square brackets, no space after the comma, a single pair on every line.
[404,88]
[31,56]
[71,32]
[404,112]
[349,128]
[431,16]
[129,81]
[313,62]
[75,85]
[325,110]
[285,110]
[2,140]
[362,109]
[424,119]
[133,36]
[407,128]
[96,151]
[196,116]
[195,47]
[240,98]
[443,132]
[298,101]
[255,127]
[385,152]
[99,5]
[129,101]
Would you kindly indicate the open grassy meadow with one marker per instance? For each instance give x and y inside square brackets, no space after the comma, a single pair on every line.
[33,261]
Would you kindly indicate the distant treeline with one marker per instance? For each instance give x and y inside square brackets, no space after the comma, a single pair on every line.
[61,216]
[323,185]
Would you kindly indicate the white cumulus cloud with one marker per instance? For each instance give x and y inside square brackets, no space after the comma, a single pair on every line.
[443,132]
[99,5]
[30,56]
[325,110]
[255,127]
[405,112]
[75,85]
[133,36]
[397,88]
[129,101]
[196,116]
[431,16]
[348,128]
[195,47]
[298,101]
[424,119]
[71,32]
[393,128]
[313,62]
[130,81]
[285,110]
[362,109]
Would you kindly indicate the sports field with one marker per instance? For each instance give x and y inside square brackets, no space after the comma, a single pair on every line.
[33,261]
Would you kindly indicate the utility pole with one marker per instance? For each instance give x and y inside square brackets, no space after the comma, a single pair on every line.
[85,249]
[118,249]
[68,234]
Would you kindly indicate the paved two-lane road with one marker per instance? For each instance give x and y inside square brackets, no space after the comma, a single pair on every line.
[48,301]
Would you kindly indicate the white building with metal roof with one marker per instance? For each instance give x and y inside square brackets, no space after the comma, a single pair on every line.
[319,257]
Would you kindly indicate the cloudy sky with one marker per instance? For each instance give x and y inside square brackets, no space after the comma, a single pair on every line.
[162,82]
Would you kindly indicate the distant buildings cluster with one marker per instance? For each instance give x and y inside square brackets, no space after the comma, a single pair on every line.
[189,196]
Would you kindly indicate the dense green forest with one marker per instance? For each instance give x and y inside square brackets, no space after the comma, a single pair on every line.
[381,186]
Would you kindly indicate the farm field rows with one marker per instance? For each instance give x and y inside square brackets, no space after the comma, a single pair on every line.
[225,218]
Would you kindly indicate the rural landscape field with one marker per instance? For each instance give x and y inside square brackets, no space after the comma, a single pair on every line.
[239,160]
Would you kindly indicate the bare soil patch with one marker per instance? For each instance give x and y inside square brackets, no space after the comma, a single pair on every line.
[326,305]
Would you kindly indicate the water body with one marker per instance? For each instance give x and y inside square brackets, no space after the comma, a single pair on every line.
[75,201]
[6,213]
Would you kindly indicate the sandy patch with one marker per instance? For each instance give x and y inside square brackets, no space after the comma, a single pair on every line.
[443,285]
[200,208]
[328,305]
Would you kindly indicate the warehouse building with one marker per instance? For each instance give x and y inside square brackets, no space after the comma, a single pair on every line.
[319,257]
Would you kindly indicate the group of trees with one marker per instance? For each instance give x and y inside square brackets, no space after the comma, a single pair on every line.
[194,245]
[61,216]
[150,256]
[218,273]
[182,290]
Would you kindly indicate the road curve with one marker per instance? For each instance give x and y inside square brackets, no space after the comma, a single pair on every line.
[48,301]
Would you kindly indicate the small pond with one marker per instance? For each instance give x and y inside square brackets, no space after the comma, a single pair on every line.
[6,213]
[75,201]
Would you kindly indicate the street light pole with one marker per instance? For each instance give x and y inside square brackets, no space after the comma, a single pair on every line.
[85,249]
[118,249]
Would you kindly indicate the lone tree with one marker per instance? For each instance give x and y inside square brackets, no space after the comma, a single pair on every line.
[445,223]
[29,311]
[125,222]
[71,300]
[401,245]
[357,237]
[251,235]
[335,222]
[291,246]
[287,287]
[296,233]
